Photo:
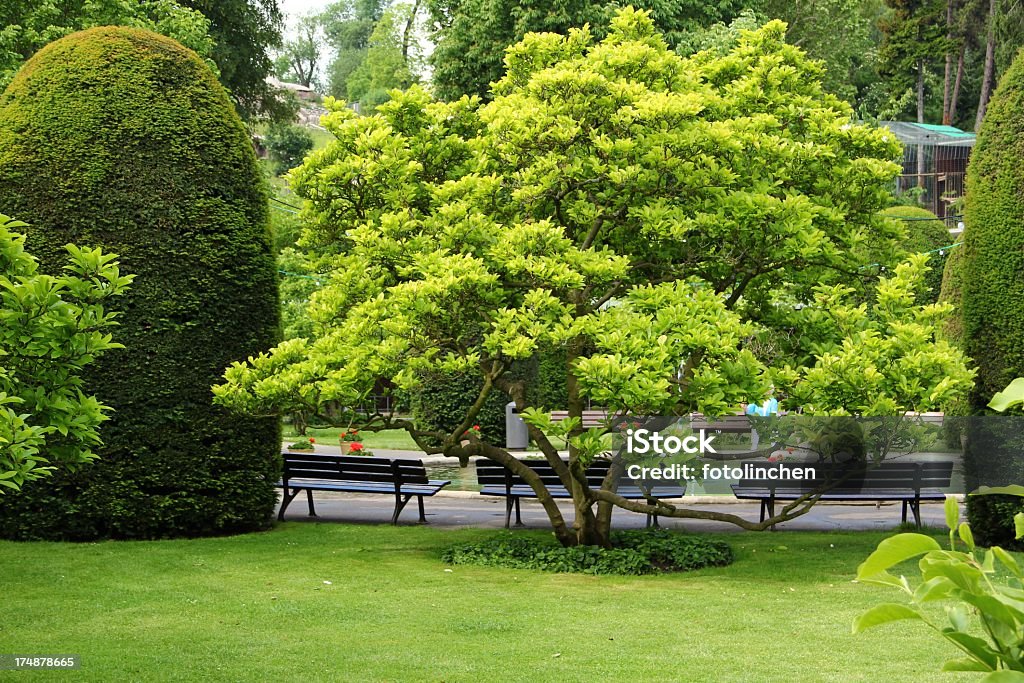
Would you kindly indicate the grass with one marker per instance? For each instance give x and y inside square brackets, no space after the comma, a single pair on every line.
[396,439]
[331,602]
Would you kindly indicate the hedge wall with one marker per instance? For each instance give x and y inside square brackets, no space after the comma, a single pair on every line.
[124,139]
[925,232]
[993,291]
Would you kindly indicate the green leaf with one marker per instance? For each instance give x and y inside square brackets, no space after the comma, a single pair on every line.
[1018,524]
[1012,490]
[952,512]
[894,550]
[1009,397]
[1004,676]
[964,531]
[883,614]
[964,665]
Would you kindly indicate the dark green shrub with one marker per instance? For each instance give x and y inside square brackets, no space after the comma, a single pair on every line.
[121,138]
[287,146]
[993,289]
[925,233]
[442,400]
[633,553]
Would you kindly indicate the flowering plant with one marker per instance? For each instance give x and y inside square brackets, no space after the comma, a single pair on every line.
[355,447]
[473,431]
[350,435]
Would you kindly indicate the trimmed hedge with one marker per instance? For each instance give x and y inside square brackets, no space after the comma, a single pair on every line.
[124,139]
[925,233]
[993,289]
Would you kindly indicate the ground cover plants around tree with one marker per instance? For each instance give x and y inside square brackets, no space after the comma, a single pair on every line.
[174,189]
[632,553]
[655,218]
[352,602]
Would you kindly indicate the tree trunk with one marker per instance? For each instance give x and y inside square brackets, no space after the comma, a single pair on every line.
[948,78]
[588,530]
[990,58]
[955,99]
[920,119]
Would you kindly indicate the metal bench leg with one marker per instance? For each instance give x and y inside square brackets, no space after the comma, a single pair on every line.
[915,507]
[309,501]
[771,510]
[285,500]
[905,511]
[399,506]
[519,519]
[423,517]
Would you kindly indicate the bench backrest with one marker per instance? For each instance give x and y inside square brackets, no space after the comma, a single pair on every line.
[490,473]
[886,475]
[353,468]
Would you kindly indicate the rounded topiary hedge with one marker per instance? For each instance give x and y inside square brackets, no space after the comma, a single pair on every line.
[993,289]
[124,139]
[925,233]
[993,299]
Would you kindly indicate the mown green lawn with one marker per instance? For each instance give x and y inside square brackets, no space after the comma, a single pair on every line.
[336,602]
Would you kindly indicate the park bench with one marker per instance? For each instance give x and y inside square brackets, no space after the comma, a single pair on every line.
[497,480]
[732,424]
[907,482]
[356,474]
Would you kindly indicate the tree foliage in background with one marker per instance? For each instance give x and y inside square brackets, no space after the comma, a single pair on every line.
[51,327]
[244,34]
[287,146]
[629,206]
[175,190]
[926,234]
[388,63]
[471,35]
[348,25]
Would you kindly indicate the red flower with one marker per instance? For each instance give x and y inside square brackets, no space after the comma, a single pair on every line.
[476,427]
[312,440]
[355,447]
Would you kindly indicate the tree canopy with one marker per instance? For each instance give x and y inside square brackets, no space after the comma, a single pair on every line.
[648,214]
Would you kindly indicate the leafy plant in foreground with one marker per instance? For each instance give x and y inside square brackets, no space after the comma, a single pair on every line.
[966,581]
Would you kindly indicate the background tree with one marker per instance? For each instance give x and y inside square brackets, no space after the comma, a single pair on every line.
[632,208]
[299,59]
[244,33]
[348,25]
[175,190]
[52,327]
[471,35]
[388,63]
[287,145]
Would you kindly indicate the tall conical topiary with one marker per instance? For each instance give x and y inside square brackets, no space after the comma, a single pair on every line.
[993,303]
[124,139]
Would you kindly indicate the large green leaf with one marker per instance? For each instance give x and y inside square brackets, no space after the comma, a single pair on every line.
[883,614]
[1009,397]
[1004,676]
[894,550]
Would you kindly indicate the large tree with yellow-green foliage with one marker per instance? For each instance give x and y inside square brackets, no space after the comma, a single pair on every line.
[636,210]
